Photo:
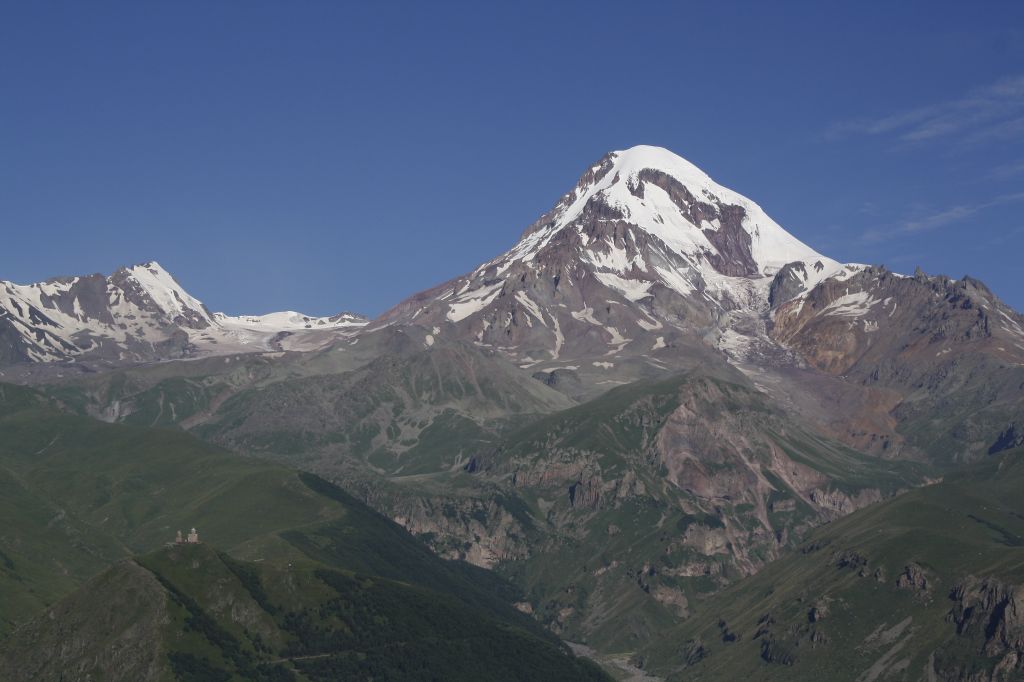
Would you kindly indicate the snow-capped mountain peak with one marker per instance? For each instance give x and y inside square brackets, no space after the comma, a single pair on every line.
[151,287]
[164,290]
[141,313]
[673,200]
[645,247]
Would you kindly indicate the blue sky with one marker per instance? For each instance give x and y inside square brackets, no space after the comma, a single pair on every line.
[323,156]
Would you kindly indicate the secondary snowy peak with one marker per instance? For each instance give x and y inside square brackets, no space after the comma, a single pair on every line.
[157,285]
[140,313]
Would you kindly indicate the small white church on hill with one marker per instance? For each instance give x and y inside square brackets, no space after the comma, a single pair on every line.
[191,539]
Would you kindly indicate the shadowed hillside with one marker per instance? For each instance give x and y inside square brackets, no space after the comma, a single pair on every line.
[305,582]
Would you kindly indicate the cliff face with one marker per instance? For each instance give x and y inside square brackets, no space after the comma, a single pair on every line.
[926,585]
[989,618]
[483,530]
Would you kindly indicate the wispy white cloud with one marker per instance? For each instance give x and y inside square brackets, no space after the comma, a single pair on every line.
[935,220]
[988,114]
[940,219]
[1008,170]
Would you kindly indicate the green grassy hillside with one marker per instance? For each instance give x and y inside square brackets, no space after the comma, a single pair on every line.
[421,412]
[81,494]
[192,613]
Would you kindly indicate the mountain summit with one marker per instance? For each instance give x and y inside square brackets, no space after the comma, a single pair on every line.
[673,201]
[646,251]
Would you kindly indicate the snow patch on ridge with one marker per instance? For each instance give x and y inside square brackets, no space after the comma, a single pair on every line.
[165,291]
[523,298]
[465,304]
[288,320]
[631,289]
[851,305]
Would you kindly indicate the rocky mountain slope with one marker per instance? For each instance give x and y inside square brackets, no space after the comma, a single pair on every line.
[138,314]
[619,515]
[927,586]
[944,359]
[424,411]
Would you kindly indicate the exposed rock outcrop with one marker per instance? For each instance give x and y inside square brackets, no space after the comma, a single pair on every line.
[989,619]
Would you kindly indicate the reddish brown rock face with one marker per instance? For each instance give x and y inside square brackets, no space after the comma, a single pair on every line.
[877,317]
[907,349]
[731,255]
